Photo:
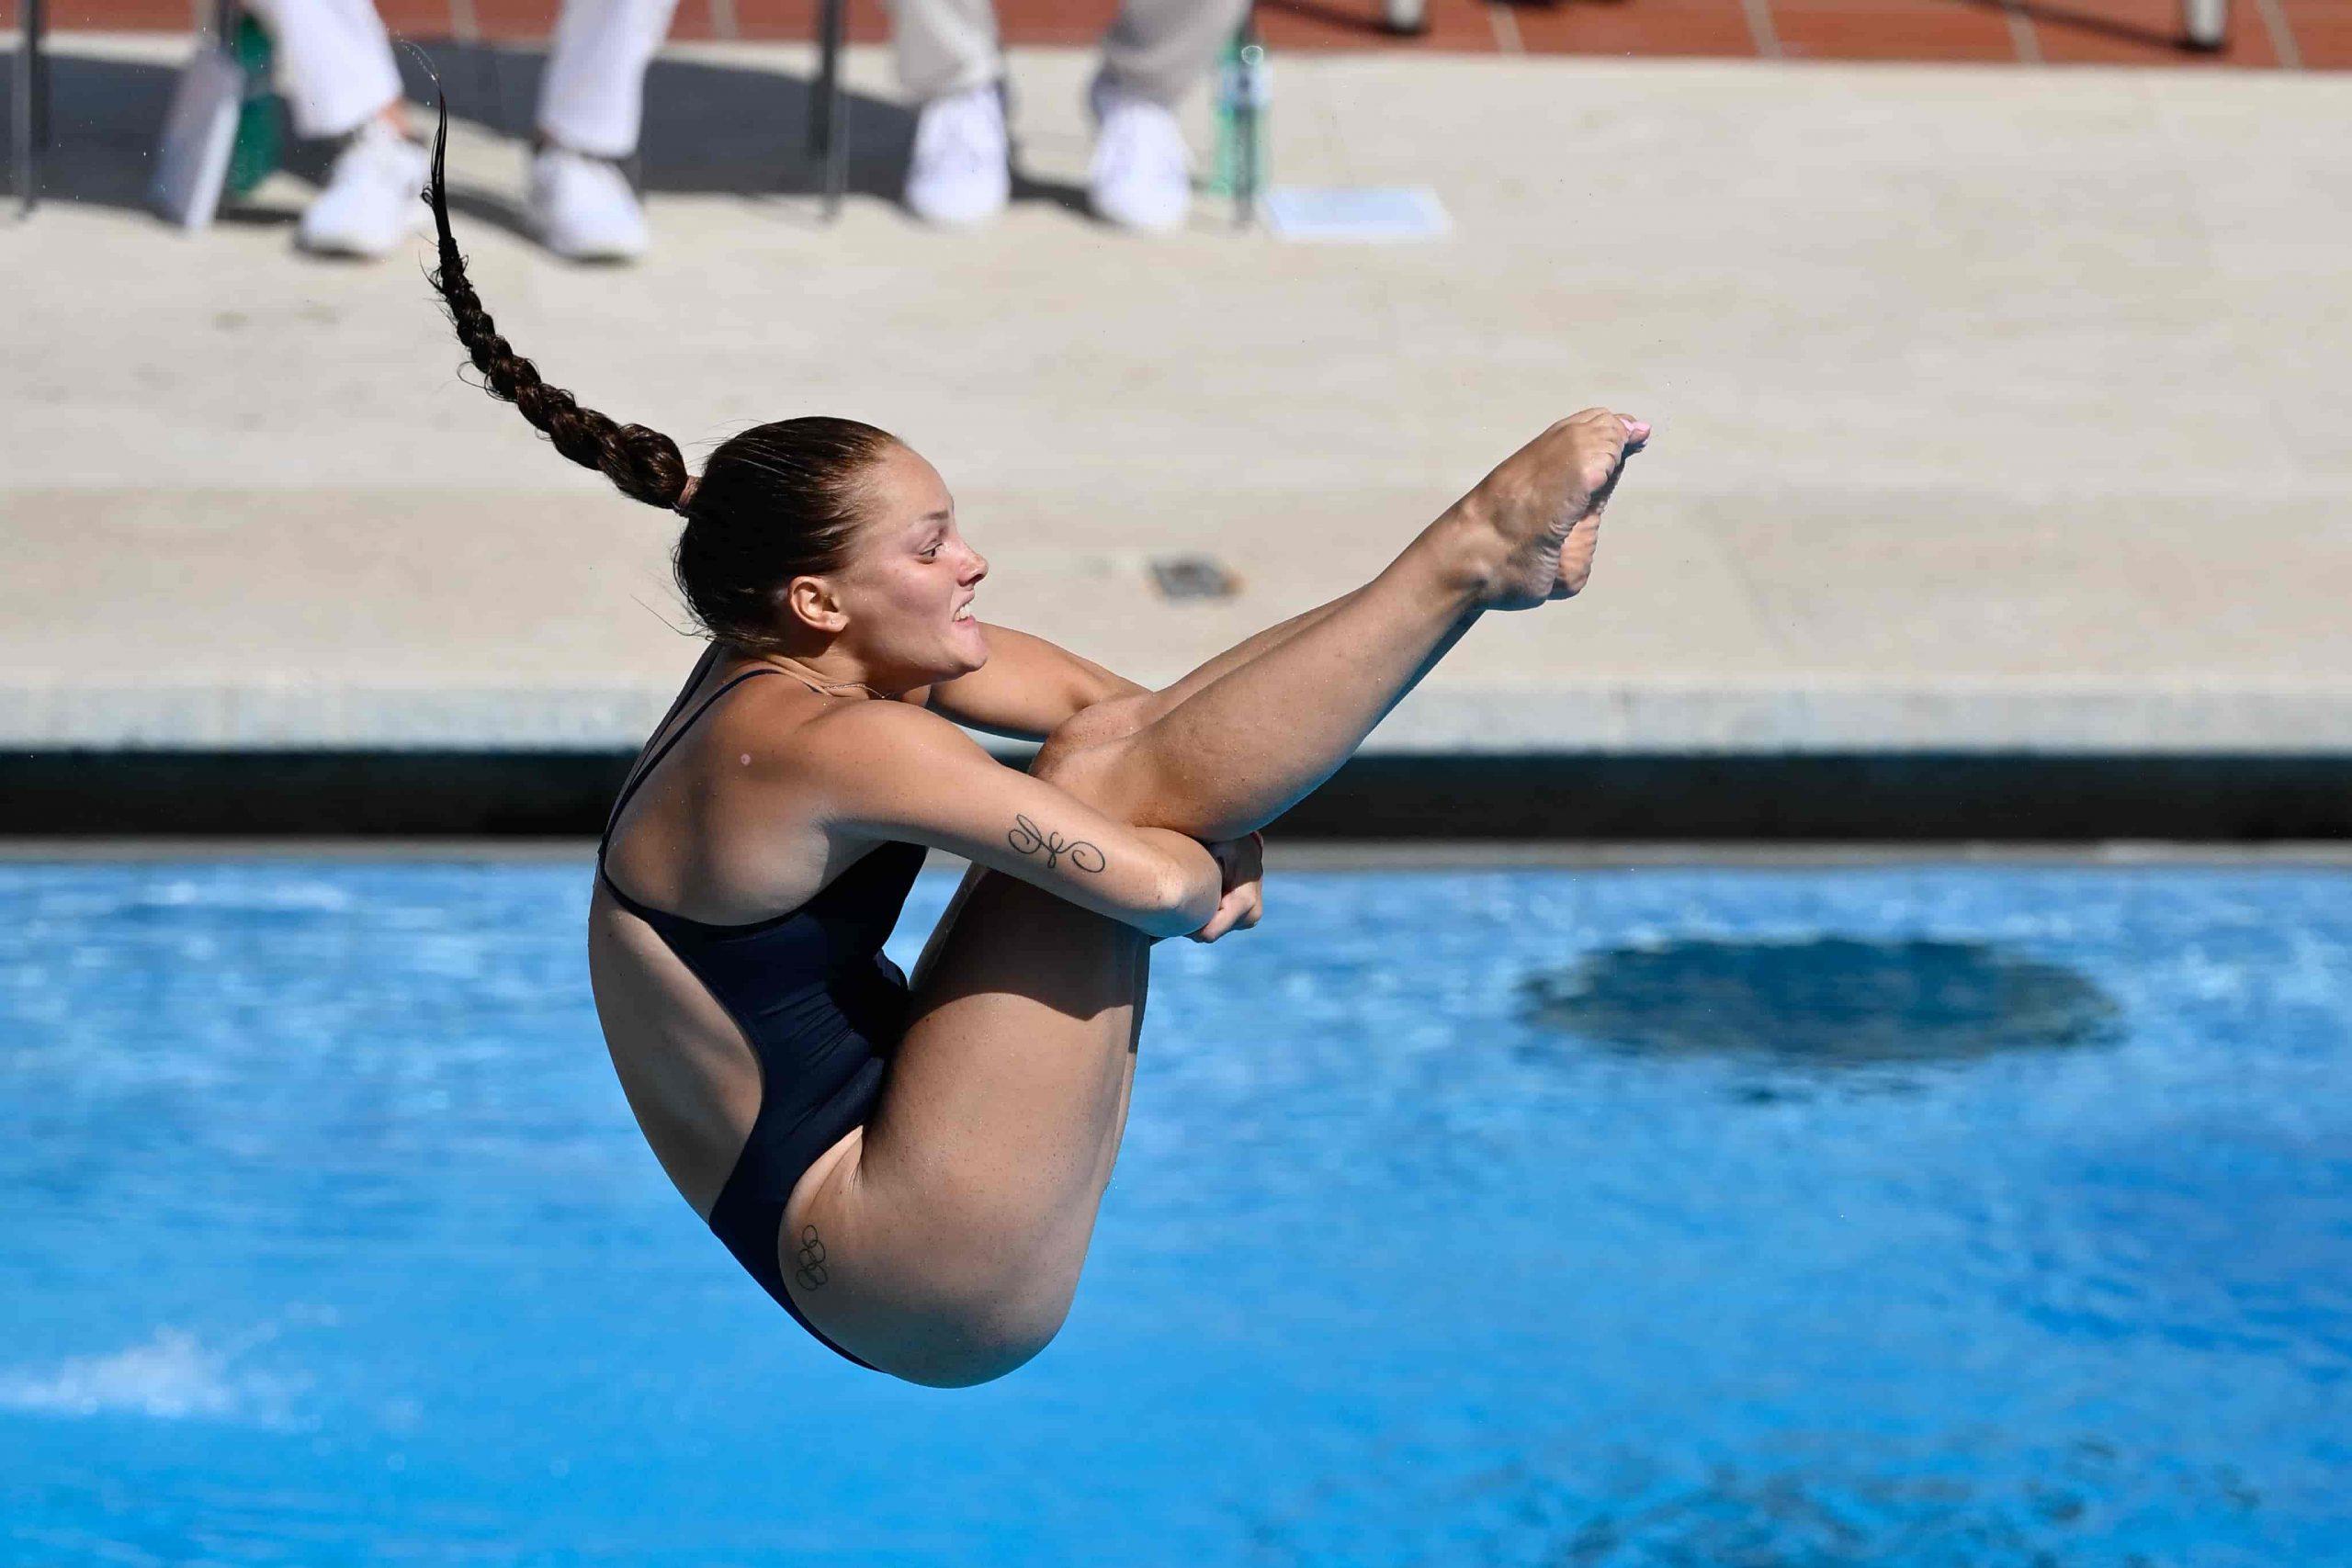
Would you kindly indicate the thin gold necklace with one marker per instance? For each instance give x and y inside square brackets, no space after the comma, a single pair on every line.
[821,688]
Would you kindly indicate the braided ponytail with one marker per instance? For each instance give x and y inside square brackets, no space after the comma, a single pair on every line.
[645,464]
[774,502]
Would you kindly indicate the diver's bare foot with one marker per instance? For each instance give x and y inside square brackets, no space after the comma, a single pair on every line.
[1533,523]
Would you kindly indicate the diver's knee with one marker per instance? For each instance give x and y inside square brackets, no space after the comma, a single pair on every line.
[1104,723]
[1084,750]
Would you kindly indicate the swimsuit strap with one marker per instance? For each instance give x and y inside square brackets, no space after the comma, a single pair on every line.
[701,666]
[645,769]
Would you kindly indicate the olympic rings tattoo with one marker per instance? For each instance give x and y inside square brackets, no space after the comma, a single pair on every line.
[811,1271]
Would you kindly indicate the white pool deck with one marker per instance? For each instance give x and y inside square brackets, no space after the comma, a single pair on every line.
[1999,411]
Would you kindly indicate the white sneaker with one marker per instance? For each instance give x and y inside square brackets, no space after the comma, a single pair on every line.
[370,203]
[582,208]
[1141,176]
[962,168]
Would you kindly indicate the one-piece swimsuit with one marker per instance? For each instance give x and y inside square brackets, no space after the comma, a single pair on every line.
[820,1004]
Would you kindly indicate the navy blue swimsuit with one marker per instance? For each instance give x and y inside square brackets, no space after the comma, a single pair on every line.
[820,1006]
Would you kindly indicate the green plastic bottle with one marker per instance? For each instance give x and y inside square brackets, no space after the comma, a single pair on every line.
[1241,96]
[260,143]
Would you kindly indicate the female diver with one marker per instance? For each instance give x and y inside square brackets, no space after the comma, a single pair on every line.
[912,1170]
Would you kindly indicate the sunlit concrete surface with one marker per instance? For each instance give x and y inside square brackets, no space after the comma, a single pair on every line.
[1998,410]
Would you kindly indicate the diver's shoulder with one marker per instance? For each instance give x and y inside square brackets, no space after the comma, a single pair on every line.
[884,724]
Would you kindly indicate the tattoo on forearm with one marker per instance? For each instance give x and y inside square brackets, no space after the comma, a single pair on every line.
[812,1270]
[1031,839]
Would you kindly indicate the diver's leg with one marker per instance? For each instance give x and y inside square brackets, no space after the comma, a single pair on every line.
[1240,653]
[955,1221]
[1239,741]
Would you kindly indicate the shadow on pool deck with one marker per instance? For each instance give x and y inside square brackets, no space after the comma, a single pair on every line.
[711,126]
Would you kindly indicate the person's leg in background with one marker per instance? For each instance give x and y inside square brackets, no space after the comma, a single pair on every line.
[951,66]
[592,109]
[1154,55]
[335,67]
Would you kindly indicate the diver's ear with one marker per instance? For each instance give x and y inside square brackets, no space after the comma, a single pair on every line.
[812,602]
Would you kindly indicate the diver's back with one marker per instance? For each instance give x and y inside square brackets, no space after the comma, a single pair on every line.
[748,1048]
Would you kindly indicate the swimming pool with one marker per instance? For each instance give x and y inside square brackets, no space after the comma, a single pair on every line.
[1949,1216]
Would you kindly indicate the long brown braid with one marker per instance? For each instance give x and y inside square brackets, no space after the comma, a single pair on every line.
[645,464]
[776,502]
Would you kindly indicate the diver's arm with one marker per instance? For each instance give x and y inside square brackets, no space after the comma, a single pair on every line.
[1025,690]
[890,770]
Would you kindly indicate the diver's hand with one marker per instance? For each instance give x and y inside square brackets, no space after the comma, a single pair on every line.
[1242,862]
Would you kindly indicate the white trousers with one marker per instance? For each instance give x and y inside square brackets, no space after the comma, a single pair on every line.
[1156,48]
[335,67]
[335,63]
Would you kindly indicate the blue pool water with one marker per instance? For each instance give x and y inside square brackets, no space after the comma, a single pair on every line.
[1894,1216]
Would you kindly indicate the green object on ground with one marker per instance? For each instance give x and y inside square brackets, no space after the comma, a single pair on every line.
[1242,91]
[260,144]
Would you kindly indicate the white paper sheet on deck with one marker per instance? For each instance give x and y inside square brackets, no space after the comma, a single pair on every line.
[1367,215]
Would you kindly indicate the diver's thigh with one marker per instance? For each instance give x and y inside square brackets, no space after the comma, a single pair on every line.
[965,1204]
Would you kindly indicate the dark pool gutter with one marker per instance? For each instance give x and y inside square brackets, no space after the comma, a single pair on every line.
[1880,798]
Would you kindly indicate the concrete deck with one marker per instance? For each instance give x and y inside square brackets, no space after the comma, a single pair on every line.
[1999,411]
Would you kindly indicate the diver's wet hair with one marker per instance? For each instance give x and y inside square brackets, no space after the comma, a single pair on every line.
[776,502]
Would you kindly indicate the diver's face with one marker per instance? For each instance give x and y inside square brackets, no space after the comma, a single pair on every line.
[907,588]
